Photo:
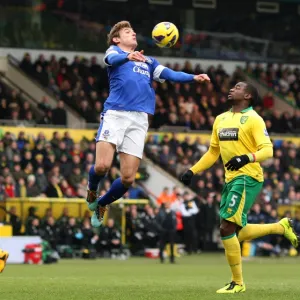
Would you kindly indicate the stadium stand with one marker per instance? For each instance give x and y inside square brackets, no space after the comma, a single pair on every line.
[58,168]
[83,86]
[14,107]
[283,80]
[55,168]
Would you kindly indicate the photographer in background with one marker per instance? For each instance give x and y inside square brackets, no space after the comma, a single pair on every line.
[189,211]
[166,222]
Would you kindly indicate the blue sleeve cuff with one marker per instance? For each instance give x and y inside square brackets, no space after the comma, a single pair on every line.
[171,75]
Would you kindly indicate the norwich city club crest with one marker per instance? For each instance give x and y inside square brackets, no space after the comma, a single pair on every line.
[244,120]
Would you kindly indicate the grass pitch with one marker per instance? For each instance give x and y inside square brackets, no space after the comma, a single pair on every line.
[195,277]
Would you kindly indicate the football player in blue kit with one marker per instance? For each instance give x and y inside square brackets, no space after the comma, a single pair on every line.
[124,121]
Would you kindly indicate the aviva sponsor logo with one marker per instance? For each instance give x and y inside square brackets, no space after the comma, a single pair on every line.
[229,134]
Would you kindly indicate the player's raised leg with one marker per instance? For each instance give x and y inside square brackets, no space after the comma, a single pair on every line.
[283,227]
[104,156]
[129,166]
[3,258]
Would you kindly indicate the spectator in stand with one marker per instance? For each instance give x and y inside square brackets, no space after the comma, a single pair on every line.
[34,228]
[44,104]
[89,238]
[165,156]
[166,221]
[9,187]
[268,101]
[17,172]
[110,238]
[26,64]
[135,231]
[256,216]
[59,115]
[53,190]
[64,218]
[151,230]
[32,188]
[67,232]
[163,197]
[49,232]
[136,192]
[15,221]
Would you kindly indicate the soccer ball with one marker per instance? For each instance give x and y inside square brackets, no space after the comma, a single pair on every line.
[165,34]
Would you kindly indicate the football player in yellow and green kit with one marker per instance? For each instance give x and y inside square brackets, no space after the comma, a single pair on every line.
[240,136]
[3,258]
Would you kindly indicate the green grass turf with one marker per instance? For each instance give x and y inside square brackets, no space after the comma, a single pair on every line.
[195,277]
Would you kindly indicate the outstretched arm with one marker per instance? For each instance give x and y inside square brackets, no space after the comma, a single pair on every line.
[207,160]
[113,58]
[183,77]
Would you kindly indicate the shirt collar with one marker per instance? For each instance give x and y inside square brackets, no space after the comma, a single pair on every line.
[245,110]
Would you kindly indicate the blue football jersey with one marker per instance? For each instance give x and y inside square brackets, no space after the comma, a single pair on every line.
[130,84]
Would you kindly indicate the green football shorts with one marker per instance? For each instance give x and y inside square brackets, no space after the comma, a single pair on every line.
[238,196]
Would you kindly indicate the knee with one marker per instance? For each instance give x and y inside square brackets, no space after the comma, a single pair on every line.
[227,228]
[128,180]
[101,167]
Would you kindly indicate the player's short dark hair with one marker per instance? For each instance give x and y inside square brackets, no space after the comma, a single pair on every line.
[252,90]
[115,31]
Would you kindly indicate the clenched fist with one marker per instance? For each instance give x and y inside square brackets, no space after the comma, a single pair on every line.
[202,78]
[186,178]
[137,56]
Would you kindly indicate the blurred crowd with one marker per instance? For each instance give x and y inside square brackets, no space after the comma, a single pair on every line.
[82,85]
[56,168]
[282,79]
[16,109]
[59,167]
[67,234]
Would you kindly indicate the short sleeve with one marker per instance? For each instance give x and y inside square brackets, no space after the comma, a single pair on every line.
[260,133]
[157,68]
[111,50]
[214,141]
